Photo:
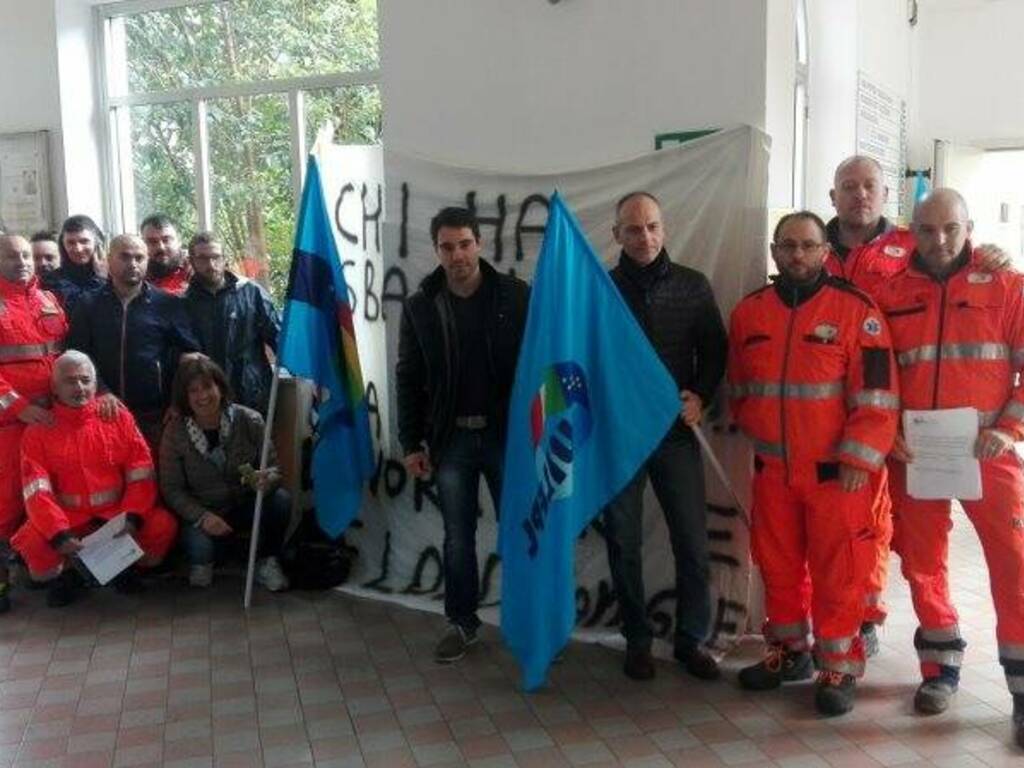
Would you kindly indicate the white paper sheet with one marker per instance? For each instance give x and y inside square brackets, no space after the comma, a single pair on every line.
[942,443]
[106,553]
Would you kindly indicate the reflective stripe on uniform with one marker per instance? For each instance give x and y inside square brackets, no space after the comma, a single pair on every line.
[1018,357]
[875,398]
[96,499]
[873,598]
[796,630]
[861,451]
[1013,411]
[6,401]
[948,658]
[32,487]
[987,350]
[834,645]
[791,390]
[768,449]
[139,473]
[13,352]
[846,666]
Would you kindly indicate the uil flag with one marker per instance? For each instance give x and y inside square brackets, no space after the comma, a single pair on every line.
[590,402]
[318,342]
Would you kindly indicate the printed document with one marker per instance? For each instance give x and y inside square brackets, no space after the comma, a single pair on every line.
[942,444]
[109,550]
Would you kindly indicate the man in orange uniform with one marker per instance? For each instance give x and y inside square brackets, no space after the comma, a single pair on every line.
[80,471]
[812,384]
[958,334]
[868,250]
[32,325]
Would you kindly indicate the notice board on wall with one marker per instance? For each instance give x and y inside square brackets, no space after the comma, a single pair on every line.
[882,135]
[25,202]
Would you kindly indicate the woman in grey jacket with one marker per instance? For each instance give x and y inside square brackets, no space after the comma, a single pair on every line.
[207,455]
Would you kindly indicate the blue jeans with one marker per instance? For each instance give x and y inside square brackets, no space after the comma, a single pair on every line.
[470,453]
[678,479]
[201,549]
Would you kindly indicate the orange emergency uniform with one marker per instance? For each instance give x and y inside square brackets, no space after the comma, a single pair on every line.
[81,471]
[32,325]
[869,266]
[959,342]
[812,384]
[176,282]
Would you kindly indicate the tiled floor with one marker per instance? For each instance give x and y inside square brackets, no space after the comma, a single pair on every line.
[185,679]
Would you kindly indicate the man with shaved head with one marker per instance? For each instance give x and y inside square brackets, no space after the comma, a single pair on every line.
[958,335]
[868,250]
[135,333]
[32,325]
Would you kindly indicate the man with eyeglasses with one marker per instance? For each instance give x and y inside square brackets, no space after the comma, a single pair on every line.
[235,319]
[812,384]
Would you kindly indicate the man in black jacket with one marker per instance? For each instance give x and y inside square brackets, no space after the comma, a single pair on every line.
[234,319]
[457,352]
[134,333]
[676,308]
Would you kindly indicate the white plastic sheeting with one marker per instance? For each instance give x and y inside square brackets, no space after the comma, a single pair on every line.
[713,192]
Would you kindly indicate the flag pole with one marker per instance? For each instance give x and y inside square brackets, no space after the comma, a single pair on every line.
[258,511]
[720,471]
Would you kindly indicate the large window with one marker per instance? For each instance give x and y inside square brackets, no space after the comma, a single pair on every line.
[213,105]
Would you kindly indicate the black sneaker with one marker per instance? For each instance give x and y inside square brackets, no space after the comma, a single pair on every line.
[454,644]
[63,590]
[1018,719]
[869,637]
[778,666]
[698,662]
[934,695]
[834,693]
[639,664]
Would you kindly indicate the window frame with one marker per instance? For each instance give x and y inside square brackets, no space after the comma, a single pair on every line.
[115,125]
[801,106]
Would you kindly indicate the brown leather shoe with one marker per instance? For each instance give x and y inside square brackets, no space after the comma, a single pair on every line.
[639,664]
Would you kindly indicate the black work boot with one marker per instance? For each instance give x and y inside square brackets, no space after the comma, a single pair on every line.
[935,693]
[834,693]
[63,590]
[778,666]
[5,597]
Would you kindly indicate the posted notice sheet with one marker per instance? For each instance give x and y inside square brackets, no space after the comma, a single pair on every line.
[942,444]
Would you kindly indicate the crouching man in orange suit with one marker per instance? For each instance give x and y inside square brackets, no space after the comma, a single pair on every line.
[79,472]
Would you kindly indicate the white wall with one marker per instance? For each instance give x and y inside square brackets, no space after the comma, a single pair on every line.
[79,108]
[28,80]
[969,73]
[532,86]
[779,91]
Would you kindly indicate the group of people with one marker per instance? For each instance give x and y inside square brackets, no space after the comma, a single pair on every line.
[133,379]
[863,321]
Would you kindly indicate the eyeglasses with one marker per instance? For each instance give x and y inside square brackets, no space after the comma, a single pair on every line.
[789,247]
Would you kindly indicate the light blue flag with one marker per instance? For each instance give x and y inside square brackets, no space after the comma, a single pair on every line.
[590,402]
[318,342]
